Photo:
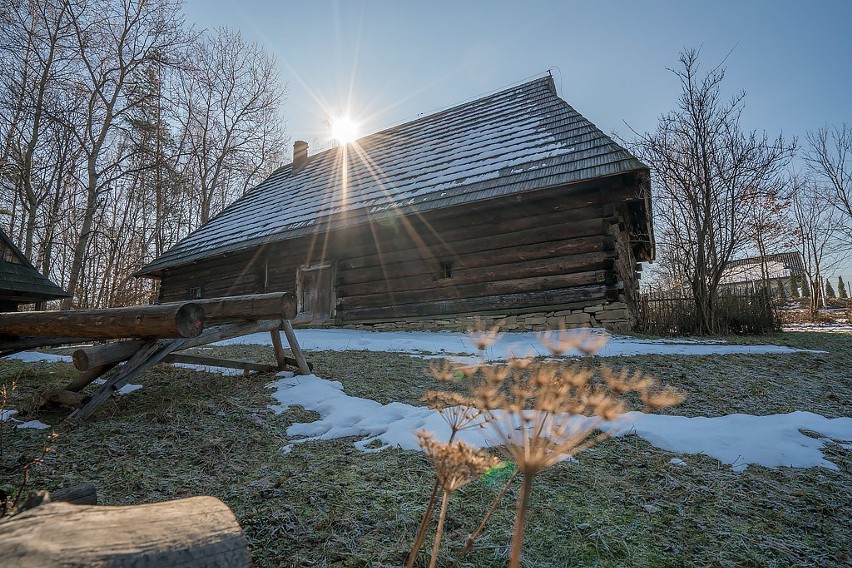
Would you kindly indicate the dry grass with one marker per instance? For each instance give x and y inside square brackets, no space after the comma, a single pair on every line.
[327,504]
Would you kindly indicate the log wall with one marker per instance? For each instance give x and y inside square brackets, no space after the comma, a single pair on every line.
[553,250]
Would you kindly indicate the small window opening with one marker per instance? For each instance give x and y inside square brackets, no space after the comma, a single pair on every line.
[446,270]
[195,293]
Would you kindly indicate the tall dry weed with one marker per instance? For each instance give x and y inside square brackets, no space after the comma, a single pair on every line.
[535,412]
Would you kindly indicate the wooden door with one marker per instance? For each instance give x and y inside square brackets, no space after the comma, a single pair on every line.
[315,290]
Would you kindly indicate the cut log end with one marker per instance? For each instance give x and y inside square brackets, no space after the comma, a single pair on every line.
[190,320]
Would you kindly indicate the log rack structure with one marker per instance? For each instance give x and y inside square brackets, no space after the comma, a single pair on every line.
[151,334]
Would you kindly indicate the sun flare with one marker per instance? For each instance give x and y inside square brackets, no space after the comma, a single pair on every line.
[344,129]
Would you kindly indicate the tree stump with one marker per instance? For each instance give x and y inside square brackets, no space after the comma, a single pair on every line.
[199,531]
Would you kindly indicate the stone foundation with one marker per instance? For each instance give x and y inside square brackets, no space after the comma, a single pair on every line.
[614,316]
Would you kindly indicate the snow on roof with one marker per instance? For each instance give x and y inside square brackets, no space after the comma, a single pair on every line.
[520,139]
[779,265]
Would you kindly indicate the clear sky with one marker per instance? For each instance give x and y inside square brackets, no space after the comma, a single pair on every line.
[389,61]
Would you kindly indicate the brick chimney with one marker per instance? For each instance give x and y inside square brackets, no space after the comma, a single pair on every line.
[300,154]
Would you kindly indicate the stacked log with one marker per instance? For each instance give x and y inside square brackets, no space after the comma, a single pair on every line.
[199,531]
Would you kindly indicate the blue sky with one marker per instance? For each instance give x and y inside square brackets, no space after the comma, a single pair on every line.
[389,61]
[392,60]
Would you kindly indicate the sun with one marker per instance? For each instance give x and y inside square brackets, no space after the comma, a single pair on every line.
[344,130]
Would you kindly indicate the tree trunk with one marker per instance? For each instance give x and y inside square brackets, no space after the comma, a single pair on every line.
[199,531]
[170,320]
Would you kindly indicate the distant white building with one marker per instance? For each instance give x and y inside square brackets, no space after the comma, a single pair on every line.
[749,272]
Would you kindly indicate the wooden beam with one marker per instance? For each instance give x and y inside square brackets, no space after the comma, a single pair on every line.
[497,287]
[275,305]
[189,359]
[65,397]
[302,363]
[167,320]
[86,377]
[87,358]
[504,302]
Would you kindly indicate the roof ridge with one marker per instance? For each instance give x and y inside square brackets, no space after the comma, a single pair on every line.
[439,112]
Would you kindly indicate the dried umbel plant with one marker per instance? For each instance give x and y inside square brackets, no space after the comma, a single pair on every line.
[540,412]
[456,464]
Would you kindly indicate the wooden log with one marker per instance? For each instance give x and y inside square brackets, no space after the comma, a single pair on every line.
[188,359]
[65,397]
[468,221]
[302,363]
[82,494]
[199,531]
[485,272]
[508,286]
[278,349]
[167,320]
[87,358]
[506,302]
[275,305]
[227,331]
[446,249]
[86,377]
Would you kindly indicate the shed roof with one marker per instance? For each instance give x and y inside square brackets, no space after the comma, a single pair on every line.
[19,280]
[521,139]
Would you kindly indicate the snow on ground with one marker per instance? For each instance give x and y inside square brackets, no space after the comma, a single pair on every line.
[821,328]
[126,389]
[509,344]
[209,369]
[9,415]
[35,356]
[737,440]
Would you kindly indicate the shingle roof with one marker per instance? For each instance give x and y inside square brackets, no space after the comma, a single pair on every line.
[521,139]
[20,280]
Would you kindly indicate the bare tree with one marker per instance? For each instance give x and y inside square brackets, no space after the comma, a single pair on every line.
[829,157]
[232,128]
[41,30]
[708,174]
[817,225]
[115,38]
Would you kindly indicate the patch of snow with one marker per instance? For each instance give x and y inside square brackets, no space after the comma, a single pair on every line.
[210,369]
[34,424]
[678,462]
[425,343]
[8,415]
[126,389]
[35,356]
[737,439]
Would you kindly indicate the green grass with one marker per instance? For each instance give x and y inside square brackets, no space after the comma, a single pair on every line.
[327,504]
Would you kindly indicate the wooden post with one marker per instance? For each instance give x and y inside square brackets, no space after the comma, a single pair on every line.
[278,348]
[167,320]
[199,531]
[294,347]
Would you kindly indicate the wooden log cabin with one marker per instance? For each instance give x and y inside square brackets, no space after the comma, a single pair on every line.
[20,282]
[512,208]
